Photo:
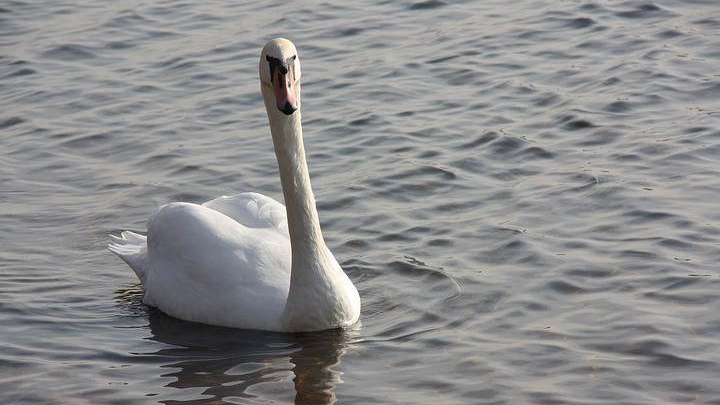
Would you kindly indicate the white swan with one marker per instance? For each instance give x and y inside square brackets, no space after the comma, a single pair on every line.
[247,261]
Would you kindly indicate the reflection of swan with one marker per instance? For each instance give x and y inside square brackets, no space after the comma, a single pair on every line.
[315,379]
[231,363]
[245,261]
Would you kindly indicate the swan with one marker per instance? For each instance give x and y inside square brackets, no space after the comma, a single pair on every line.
[247,261]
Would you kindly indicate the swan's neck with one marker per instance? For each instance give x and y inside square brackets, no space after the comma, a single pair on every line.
[306,237]
[320,296]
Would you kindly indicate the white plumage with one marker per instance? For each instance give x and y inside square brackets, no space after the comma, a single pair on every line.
[245,261]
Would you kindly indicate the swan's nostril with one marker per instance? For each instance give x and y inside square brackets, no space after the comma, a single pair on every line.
[288,108]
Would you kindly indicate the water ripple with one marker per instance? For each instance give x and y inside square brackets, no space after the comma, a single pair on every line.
[523,193]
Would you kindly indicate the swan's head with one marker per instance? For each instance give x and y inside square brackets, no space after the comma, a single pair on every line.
[280,71]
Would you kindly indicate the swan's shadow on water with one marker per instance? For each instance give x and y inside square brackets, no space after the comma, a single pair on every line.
[247,365]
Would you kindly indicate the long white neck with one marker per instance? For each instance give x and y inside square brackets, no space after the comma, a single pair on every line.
[320,296]
[303,221]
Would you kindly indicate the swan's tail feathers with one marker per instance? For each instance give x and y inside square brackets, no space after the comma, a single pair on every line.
[132,248]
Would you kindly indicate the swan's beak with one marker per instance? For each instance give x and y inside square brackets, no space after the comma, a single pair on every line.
[285,91]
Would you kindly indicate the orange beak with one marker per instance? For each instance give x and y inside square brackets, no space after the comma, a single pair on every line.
[285,93]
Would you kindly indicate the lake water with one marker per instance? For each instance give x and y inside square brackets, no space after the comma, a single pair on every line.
[526,194]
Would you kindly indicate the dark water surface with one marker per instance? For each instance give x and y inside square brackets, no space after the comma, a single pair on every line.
[526,194]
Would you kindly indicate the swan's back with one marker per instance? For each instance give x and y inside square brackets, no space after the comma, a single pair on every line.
[252,210]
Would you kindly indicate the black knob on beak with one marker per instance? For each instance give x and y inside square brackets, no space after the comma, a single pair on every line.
[288,109]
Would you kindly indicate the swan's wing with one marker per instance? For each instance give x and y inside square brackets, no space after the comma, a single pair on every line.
[207,267]
[252,210]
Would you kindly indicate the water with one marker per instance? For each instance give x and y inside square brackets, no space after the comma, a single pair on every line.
[525,194]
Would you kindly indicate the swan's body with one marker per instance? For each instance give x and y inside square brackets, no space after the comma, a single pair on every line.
[246,261]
